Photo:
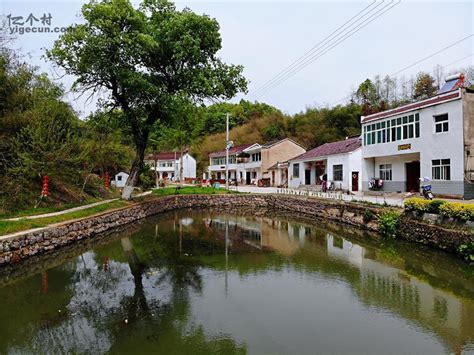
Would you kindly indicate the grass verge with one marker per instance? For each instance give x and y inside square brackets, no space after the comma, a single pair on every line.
[7,227]
[190,190]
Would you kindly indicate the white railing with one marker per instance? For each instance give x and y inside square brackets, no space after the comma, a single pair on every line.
[335,195]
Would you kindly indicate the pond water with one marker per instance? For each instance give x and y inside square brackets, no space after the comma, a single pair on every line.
[176,284]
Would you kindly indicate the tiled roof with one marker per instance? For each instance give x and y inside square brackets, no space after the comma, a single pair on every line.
[340,147]
[163,156]
[409,107]
[234,150]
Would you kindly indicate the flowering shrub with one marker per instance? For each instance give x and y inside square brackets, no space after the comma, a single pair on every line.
[456,210]
[420,205]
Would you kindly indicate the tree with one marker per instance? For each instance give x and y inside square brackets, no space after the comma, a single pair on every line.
[368,97]
[147,59]
[424,86]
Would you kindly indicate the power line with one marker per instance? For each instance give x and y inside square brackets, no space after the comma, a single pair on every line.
[332,45]
[312,49]
[422,60]
[431,55]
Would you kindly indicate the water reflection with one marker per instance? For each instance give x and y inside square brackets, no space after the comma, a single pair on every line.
[203,282]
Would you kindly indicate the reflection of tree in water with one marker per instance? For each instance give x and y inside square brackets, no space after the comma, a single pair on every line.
[137,299]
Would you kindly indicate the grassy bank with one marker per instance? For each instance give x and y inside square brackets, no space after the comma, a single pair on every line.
[7,227]
[190,190]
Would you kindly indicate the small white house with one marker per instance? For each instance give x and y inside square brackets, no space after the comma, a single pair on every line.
[336,162]
[121,179]
[168,165]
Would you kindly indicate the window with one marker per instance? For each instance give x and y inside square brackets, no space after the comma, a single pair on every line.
[119,178]
[385,171]
[441,123]
[337,172]
[296,170]
[441,169]
[257,156]
[395,129]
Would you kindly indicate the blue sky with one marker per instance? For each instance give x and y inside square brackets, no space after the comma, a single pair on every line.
[267,36]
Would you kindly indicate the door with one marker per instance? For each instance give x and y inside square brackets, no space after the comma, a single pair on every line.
[355,181]
[413,176]
[247,177]
[307,177]
[273,177]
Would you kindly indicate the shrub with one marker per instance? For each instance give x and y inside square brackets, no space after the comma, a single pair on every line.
[368,216]
[418,205]
[388,223]
[434,206]
[456,210]
[467,251]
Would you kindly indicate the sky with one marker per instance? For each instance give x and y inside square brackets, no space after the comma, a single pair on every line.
[267,36]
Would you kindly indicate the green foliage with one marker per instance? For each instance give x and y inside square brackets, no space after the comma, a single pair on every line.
[420,205]
[7,227]
[149,59]
[459,211]
[456,210]
[467,251]
[368,215]
[424,86]
[191,190]
[388,223]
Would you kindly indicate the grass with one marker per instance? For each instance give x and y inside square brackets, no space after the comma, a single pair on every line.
[190,190]
[7,227]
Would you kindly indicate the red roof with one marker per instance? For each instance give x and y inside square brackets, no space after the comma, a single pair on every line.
[410,107]
[163,156]
[234,150]
[340,147]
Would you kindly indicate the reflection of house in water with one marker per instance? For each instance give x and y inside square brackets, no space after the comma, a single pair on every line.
[449,316]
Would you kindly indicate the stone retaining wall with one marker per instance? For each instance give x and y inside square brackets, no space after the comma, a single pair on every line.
[23,245]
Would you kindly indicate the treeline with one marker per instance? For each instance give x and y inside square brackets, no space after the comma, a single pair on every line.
[40,135]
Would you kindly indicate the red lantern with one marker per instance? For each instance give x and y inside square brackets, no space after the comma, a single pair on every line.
[107,180]
[45,191]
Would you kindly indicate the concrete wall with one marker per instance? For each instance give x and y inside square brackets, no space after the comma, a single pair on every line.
[14,248]
[283,150]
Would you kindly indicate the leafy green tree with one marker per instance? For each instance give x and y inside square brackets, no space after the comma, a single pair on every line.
[368,97]
[146,59]
[424,86]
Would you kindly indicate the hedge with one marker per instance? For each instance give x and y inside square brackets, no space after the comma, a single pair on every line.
[455,210]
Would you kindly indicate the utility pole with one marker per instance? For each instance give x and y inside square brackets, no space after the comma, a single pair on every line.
[228,145]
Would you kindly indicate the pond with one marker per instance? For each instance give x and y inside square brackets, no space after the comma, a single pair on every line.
[202,282]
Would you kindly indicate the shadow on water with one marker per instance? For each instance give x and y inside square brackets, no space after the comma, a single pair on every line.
[205,282]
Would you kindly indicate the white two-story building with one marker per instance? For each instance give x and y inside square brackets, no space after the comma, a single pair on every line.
[432,138]
[168,165]
[251,163]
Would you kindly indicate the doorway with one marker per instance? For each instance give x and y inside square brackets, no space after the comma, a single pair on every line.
[247,177]
[307,177]
[273,177]
[355,181]
[413,176]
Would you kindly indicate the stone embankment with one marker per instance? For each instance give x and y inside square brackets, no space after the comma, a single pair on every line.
[23,245]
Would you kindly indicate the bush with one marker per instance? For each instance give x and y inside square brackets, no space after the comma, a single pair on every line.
[456,210]
[420,205]
[368,216]
[467,251]
[388,223]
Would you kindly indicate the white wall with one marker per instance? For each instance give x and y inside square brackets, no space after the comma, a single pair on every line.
[430,146]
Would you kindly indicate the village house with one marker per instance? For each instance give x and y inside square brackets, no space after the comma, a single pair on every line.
[251,163]
[168,165]
[432,138]
[338,163]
